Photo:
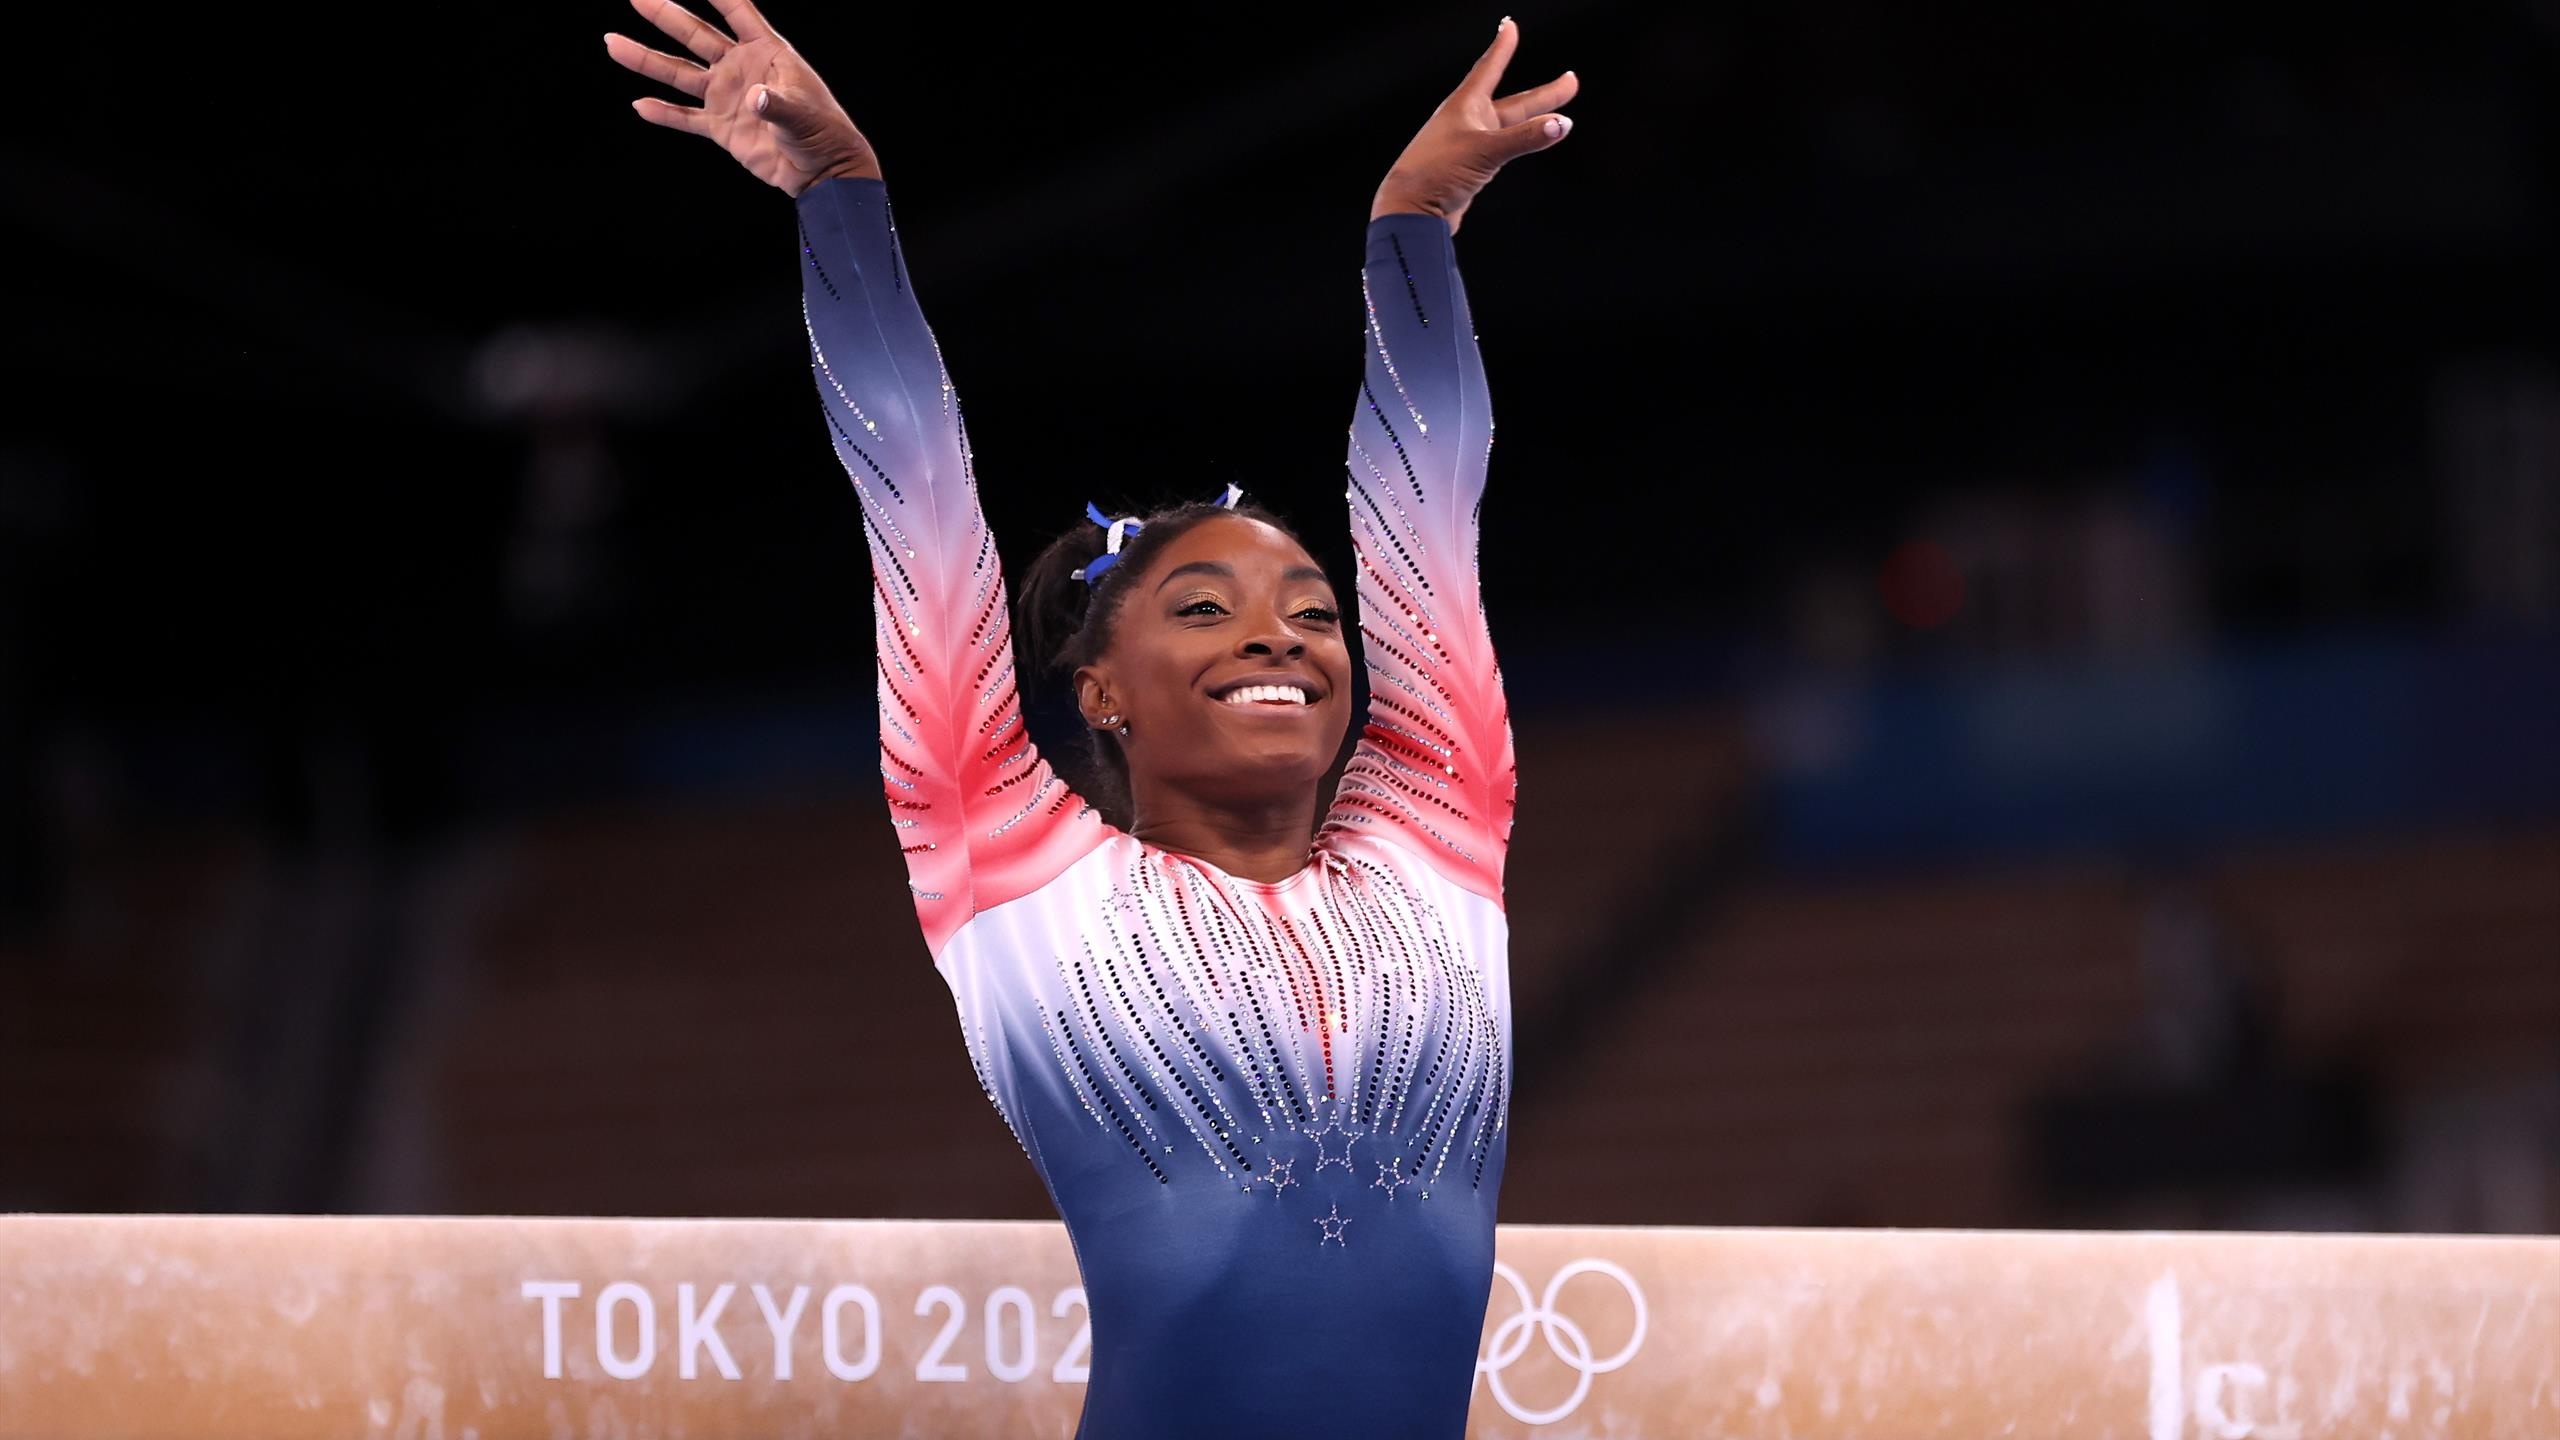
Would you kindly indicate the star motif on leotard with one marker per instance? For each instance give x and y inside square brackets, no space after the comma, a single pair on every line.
[1388,1179]
[1333,1225]
[1344,1159]
[1120,898]
[1277,1177]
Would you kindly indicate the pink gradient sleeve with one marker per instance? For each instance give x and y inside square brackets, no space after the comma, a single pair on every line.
[980,815]
[1434,769]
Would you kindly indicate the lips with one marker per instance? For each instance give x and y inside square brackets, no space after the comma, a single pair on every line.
[1281,692]
[1244,695]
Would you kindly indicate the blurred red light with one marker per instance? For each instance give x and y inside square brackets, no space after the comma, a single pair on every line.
[1920,584]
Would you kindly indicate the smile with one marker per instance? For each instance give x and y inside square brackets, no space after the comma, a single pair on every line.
[1276,695]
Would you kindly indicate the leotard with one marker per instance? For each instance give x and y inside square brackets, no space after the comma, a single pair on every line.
[1271,1114]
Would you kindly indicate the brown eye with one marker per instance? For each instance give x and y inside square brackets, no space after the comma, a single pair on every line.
[1196,604]
[1321,613]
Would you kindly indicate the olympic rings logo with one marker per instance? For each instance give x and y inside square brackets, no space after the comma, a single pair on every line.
[1510,1339]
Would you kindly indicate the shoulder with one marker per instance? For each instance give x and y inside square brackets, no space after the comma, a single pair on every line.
[1435,866]
[1073,894]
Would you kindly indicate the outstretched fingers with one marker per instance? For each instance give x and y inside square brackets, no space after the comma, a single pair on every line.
[685,27]
[1489,66]
[690,119]
[745,19]
[684,75]
[1537,100]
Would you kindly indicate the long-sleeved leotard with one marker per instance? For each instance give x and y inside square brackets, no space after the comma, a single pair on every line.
[1271,1114]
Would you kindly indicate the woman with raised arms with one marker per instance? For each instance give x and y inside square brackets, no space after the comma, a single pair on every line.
[1260,1056]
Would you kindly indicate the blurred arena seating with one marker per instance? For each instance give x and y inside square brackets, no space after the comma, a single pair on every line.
[113,1067]
[722,1008]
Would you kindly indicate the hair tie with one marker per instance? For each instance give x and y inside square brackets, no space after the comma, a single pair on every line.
[1119,530]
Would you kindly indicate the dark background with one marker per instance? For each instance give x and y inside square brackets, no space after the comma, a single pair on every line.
[2026,548]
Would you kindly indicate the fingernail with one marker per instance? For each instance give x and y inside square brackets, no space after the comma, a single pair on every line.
[1497,25]
[762,95]
[1557,126]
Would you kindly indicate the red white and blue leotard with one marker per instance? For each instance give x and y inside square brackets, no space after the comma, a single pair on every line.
[1272,1114]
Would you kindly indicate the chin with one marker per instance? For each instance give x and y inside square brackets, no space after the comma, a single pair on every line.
[1275,764]
[1246,770]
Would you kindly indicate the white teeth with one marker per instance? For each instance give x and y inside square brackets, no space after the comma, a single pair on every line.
[1252,694]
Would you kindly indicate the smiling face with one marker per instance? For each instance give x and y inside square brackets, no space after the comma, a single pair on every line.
[1229,665]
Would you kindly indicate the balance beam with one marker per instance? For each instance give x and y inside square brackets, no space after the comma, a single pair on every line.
[140,1327]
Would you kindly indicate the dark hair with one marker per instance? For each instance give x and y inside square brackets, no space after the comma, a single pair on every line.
[1060,623]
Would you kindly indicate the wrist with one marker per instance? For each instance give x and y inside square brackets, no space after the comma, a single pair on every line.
[1395,199]
[1409,209]
[860,168]
[850,170]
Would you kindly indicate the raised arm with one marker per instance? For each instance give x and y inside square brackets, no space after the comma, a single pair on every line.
[980,816]
[1434,767]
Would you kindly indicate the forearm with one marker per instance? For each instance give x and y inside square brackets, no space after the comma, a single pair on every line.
[1425,419]
[878,369]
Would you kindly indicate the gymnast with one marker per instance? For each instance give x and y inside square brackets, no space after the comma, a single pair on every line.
[1262,1064]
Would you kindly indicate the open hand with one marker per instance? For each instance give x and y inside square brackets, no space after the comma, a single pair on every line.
[760,101]
[1472,135]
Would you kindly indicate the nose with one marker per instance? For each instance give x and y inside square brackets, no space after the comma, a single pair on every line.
[1275,639]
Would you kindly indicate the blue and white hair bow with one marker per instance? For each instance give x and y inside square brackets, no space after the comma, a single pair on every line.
[1124,527]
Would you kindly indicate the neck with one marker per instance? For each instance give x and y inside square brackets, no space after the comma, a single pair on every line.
[1256,840]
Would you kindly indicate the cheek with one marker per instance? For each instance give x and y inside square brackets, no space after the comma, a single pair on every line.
[1165,669]
[1339,658]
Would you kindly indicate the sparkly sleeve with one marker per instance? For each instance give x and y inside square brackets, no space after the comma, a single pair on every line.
[1434,768]
[981,817]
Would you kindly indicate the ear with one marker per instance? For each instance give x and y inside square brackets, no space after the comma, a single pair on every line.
[1094,693]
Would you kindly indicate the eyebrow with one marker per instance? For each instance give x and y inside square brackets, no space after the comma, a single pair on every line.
[1221,568]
